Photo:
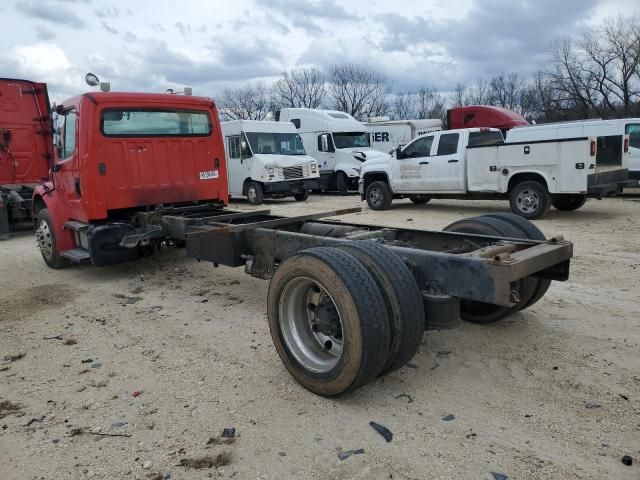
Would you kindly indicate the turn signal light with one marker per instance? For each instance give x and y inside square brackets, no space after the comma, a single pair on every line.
[593,148]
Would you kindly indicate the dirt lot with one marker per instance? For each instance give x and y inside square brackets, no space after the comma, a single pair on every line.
[551,393]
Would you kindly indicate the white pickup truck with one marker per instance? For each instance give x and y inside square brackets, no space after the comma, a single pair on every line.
[477,164]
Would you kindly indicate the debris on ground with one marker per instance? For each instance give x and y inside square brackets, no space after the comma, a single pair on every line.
[228,432]
[347,453]
[136,393]
[13,358]
[449,417]
[7,408]
[627,460]
[412,365]
[126,299]
[118,424]
[443,353]
[70,341]
[34,420]
[591,406]
[499,476]
[404,395]
[208,461]
[382,430]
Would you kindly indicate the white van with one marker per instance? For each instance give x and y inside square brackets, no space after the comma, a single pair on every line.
[387,135]
[611,139]
[336,140]
[267,159]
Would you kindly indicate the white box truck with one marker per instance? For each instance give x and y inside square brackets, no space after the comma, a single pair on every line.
[267,159]
[337,141]
[477,164]
[387,135]
[611,134]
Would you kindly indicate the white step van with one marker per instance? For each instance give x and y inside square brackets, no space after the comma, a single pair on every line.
[267,159]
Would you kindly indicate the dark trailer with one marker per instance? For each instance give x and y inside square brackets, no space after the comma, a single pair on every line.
[349,302]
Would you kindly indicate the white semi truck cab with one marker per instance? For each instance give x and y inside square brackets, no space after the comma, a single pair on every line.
[337,141]
[267,159]
[477,164]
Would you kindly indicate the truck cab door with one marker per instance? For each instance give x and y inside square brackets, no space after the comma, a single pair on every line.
[66,168]
[326,153]
[237,166]
[411,166]
[447,165]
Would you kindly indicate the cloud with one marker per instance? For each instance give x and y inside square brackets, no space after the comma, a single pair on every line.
[58,14]
[305,14]
[109,28]
[109,12]
[44,33]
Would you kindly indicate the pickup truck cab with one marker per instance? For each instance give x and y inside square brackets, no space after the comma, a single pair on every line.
[267,159]
[477,164]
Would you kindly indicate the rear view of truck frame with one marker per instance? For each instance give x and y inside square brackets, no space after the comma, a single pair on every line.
[129,173]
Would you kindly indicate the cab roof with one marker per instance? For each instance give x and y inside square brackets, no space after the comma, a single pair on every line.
[139,99]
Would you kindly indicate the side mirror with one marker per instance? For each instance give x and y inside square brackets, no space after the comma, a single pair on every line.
[400,154]
[324,140]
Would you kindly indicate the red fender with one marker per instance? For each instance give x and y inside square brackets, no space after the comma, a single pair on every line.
[44,197]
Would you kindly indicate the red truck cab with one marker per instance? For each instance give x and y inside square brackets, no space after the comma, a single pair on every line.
[112,158]
[488,116]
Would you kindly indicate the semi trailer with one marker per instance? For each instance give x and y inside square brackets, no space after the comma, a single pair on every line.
[347,302]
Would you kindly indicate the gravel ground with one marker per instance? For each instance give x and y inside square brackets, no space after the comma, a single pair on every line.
[133,371]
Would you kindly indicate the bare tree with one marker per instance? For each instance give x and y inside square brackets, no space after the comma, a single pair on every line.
[359,90]
[251,102]
[302,88]
[430,104]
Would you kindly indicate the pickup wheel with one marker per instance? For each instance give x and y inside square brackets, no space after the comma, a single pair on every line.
[255,193]
[342,183]
[420,199]
[530,199]
[401,296]
[379,196]
[328,321]
[46,239]
[522,290]
[302,196]
[569,202]
[530,231]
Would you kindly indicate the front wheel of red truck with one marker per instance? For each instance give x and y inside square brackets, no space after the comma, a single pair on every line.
[46,239]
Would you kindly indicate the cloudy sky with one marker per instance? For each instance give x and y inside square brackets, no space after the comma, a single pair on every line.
[150,45]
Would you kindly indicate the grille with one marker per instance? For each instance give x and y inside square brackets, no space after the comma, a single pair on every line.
[293,173]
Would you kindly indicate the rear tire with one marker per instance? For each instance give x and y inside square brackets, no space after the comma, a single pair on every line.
[46,239]
[529,230]
[255,193]
[530,199]
[378,195]
[332,290]
[481,312]
[569,203]
[401,296]
[302,196]
[342,183]
[420,199]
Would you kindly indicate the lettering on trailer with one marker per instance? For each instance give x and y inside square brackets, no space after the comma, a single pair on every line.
[428,130]
[379,136]
[209,174]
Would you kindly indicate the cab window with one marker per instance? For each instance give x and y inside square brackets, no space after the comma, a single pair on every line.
[448,144]
[420,148]
[233,143]
[68,125]
[633,130]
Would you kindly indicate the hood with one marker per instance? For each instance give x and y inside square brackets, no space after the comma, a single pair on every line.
[281,161]
[25,132]
[360,155]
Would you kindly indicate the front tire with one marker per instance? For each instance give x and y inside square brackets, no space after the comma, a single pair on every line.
[569,202]
[378,195]
[302,196]
[46,239]
[255,193]
[530,199]
[328,321]
[342,183]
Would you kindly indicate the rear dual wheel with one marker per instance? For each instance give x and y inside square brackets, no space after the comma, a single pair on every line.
[526,291]
[338,320]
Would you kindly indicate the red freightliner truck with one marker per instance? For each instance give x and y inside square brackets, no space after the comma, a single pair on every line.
[121,174]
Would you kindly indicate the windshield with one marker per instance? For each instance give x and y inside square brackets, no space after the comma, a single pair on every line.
[275,143]
[351,139]
[633,130]
[155,123]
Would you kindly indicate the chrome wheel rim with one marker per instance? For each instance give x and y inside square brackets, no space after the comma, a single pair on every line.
[45,239]
[375,196]
[310,324]
[528,201]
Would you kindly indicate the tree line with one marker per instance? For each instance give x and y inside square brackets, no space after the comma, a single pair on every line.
[596,75]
